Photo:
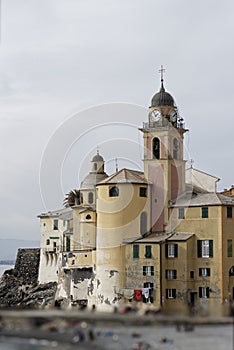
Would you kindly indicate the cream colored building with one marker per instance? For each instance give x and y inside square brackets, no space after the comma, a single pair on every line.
[162,237]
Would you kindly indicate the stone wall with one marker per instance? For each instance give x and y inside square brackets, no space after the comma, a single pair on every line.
[27,264]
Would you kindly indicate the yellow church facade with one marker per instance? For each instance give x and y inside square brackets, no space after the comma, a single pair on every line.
[162,237]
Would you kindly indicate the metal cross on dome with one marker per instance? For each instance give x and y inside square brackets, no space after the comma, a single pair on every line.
[162,70]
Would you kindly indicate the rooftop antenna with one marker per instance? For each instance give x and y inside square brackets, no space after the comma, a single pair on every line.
[116,165]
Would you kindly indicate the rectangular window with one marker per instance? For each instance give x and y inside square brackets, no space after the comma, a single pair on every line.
[205,212]
[55,224]
[205,248]
[181,213]
[68,244]
[148,285]
[47,242]
[171,293]
[148,253]
[229,212]
[171,250]
[204,272]
[148,270]
[204,292]
[135,251]
[171,274]
[143,192]
[229,248]
[191,274]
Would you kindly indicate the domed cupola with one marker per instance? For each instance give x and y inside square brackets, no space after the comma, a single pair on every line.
[162,98]
[96,174]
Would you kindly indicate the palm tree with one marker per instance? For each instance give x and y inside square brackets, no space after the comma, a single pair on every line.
[72,198]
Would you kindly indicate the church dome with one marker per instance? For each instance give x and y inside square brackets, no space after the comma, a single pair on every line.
[91,180]
[162,98]
[96,174]
[97,158]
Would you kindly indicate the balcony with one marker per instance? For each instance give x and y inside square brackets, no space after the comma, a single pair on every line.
[163,123]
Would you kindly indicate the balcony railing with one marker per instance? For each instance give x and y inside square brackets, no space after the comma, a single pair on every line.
[163,123]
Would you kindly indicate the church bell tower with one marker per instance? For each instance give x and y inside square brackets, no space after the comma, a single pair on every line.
[164,165]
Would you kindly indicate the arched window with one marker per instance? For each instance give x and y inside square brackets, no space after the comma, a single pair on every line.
[175,149]
[90,198]
[156,148]
[95,166]
[143,223]
[114,191]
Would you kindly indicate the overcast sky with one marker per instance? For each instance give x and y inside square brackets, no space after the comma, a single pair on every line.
[80,73]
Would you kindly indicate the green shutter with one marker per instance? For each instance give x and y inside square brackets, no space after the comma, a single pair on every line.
[148,251]
[211,248]
[205,212]
[199,248]
[181,213]
[68,244]
[135,251]
[229,248]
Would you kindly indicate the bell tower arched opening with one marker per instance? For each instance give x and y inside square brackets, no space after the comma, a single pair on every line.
[156,148]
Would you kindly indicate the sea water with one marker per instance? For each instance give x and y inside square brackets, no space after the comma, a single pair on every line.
[4,268]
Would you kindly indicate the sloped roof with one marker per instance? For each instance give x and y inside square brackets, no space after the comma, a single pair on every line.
[202,199]
[156,237]
[91,180]
[64,214]
[125,176]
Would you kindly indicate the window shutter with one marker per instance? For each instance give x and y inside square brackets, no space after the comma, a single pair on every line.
[200,272]
[144,270]
[211,248]
[176,250]
[200,292]
[166,250]
[175,274]
[174,293]
[152,270]
[207,292]
[135,251]
[208,272]
[199,248]
[148,251]
[166,293]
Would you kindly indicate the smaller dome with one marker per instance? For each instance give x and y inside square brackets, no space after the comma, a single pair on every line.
[162,98]
[97,158]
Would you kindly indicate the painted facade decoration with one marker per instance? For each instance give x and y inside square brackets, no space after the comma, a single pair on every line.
[161,237]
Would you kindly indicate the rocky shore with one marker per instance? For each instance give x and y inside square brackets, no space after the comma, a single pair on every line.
[19,287]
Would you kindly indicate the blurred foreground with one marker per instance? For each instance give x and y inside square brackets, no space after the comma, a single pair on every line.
[56,329]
